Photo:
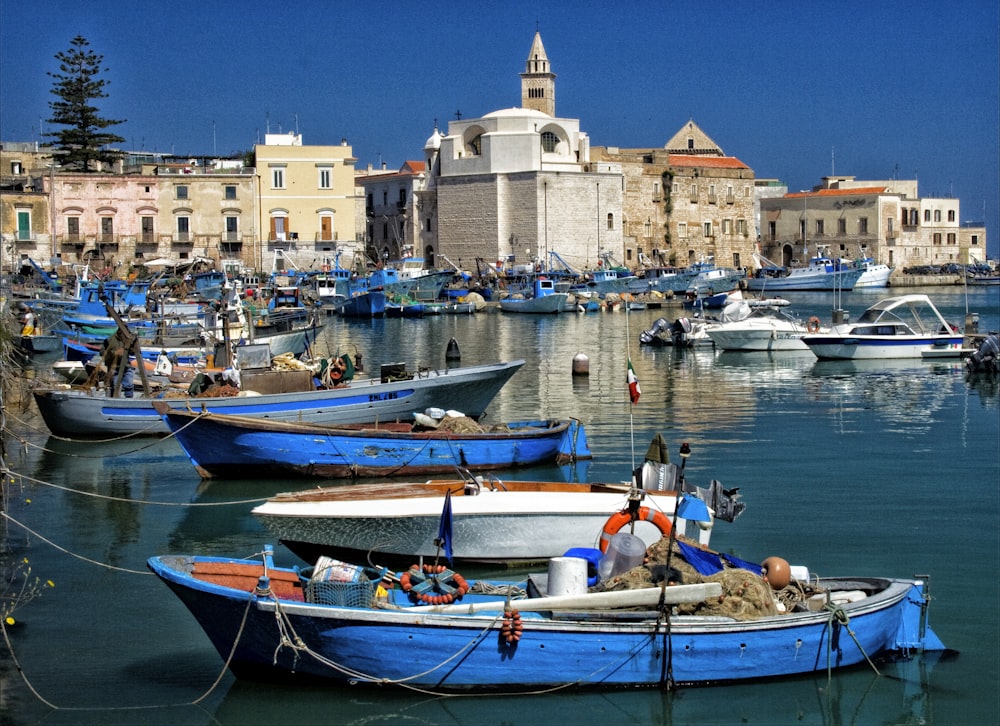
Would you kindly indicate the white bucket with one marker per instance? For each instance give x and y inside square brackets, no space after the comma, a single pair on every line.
[567,576]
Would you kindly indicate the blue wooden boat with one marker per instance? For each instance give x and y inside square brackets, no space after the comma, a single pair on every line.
[286,396]
[367,295]
[238,446]
[543,299]
[430,628]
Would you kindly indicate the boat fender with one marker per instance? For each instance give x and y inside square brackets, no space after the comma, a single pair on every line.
[433,584]
[619,519]
[813,324]
[776,572]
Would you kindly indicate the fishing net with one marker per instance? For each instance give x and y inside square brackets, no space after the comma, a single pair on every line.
[745,594]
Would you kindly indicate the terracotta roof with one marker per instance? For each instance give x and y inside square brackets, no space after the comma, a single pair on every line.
[707,162]
[837,192]
[413,166]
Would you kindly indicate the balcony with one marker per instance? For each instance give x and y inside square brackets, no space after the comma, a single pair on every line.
[181,238]
[713,198]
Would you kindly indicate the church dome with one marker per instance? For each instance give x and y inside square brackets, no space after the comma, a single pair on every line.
[434,142]
[517,113]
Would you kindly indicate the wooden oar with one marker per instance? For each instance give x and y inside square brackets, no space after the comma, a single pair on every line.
[590,601]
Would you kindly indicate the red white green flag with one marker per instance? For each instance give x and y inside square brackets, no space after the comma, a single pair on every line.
[633,384]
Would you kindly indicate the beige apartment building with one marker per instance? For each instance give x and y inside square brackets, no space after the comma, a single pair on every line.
[685,202]
[307,200]
[886,220]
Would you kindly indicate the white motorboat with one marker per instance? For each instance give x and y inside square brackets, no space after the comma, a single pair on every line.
[763,329]
[875,274]
[906,326]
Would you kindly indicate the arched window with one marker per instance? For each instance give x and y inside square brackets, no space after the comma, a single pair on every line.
[476,145]
[549,142]
[611,221]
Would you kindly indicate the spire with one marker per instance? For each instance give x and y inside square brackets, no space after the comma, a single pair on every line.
[538,82]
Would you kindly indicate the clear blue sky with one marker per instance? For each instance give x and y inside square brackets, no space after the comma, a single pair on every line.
[797,90]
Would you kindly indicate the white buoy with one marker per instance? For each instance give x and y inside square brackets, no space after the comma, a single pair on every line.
[567,576]
[581,365]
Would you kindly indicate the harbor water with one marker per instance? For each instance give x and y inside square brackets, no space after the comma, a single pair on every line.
[850,469]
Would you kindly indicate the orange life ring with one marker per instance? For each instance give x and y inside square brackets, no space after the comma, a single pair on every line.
[813,324]
[338,369]
[434,584]
[619,519]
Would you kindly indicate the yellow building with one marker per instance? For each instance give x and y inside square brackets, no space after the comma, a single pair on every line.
[307,200]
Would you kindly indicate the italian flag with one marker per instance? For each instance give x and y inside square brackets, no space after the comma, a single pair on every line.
[633,384]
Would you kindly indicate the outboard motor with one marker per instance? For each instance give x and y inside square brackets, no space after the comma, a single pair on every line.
[680,330]
[653,335]
[986,358]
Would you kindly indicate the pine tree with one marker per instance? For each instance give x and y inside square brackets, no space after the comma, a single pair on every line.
[76,87]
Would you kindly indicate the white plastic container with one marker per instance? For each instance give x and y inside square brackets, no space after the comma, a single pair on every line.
[625,551]
[567,576]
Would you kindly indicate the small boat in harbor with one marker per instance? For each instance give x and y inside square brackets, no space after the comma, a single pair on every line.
[721,620]
[905,326]
[874,274]
[764,328]
[282,396]
[544,299]
[495,521]
[821,274]
[238,446]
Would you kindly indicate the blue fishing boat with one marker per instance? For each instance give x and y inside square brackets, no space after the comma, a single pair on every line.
[367,295]
[543,299]
[428,627]
[283,396]
[239,446]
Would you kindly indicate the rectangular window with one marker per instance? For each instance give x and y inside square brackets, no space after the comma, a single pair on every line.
[951,238]
[682,230]
[23,225]
[183,229]
[278,178]
[842,226]
[727,226]
[951,215]
[707,229]
[232,229]
[927,215]
[146,224]
[741,226]
[182,191]
[107,229]
[230,191]
[324,179]
[402,197]
[937,238]
[772,230]
[72,229]
[863,225]
[937,215]
[819,226]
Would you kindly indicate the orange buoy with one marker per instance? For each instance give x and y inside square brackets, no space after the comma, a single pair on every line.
[777,572]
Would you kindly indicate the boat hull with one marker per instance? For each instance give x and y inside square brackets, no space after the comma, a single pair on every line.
[552,303]
[452,651]
[871,347]
[752,335]
[235,446]
[808,280]
[469,389]
[511,523]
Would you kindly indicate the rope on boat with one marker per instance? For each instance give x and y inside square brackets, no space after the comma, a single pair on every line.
[840,615]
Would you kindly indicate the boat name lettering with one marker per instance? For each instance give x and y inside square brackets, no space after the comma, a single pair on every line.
[383,396]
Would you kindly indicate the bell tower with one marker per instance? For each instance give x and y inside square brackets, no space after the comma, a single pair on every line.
[538,83]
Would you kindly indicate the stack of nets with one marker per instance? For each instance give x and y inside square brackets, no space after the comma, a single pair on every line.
[745,594]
